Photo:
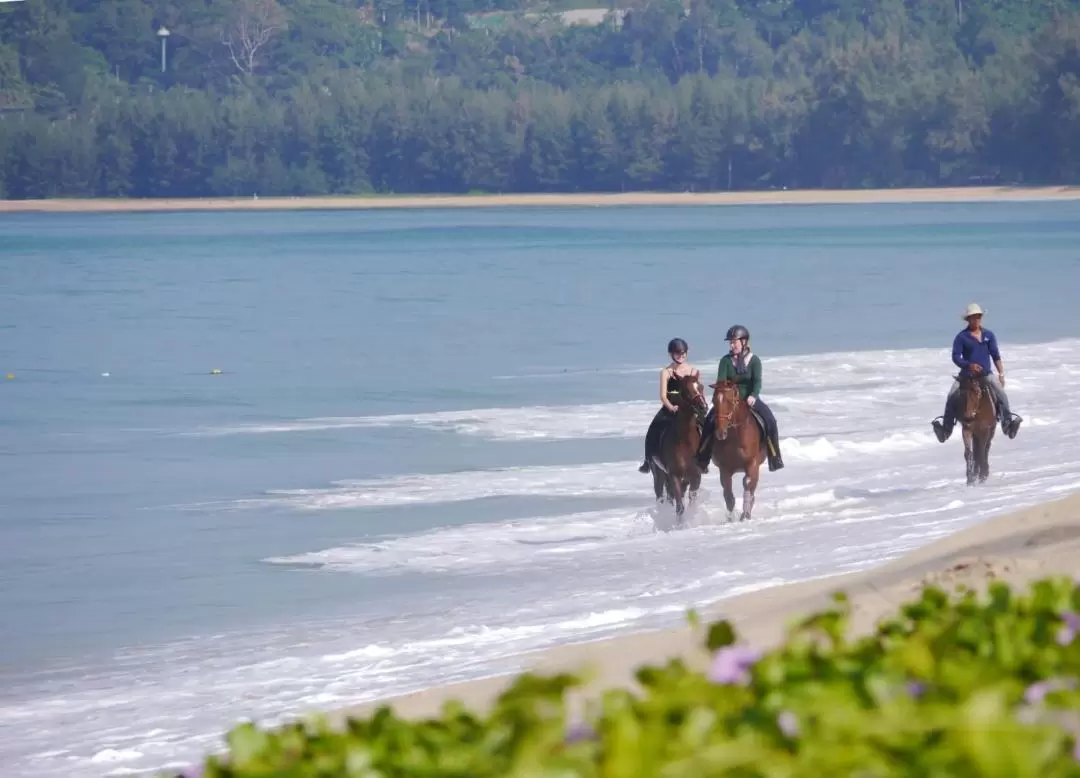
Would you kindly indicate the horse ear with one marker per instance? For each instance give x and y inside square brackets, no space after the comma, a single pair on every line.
[715,386]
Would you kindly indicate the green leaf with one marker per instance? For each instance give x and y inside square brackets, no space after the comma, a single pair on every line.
[721,634]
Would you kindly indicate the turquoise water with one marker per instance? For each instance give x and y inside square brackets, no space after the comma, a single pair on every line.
[419,457]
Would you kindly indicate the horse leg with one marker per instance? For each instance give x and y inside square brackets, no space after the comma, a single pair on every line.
[675,486]
[729,494]
[658,482]
[695,484]
[969,456]
[984,456]
[750,481]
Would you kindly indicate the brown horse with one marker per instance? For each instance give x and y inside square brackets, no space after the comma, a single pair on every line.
[978,421]
[739,445]
[678,469]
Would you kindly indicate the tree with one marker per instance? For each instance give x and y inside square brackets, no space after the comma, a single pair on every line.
[251,25]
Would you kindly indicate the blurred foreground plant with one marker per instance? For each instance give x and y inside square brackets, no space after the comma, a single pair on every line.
[967,685]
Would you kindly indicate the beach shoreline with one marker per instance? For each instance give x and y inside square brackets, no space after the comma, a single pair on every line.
[596,200]
[1016,547]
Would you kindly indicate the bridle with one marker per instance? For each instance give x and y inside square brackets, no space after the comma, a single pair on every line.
[724,421]
[696,400]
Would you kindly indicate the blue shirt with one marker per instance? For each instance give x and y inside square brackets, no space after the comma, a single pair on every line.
[966,350]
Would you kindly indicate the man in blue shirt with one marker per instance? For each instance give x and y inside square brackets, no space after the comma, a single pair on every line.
[972,351]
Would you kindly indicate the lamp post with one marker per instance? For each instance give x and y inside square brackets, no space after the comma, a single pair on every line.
[163,34]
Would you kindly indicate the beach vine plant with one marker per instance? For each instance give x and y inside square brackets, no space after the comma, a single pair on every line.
[967,684]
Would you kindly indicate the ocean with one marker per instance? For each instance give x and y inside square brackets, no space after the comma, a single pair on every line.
[259,464]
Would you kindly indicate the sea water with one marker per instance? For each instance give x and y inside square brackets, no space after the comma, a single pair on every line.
[258,464]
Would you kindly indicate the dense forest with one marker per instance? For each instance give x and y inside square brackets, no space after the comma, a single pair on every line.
[296,97]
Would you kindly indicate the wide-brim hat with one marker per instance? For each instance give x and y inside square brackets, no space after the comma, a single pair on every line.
[973,309]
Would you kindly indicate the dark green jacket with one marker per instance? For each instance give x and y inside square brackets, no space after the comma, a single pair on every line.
[749,382]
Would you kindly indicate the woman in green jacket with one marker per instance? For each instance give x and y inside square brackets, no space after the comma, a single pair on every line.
[744,367]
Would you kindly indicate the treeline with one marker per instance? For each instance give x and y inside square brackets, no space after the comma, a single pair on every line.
[316,96]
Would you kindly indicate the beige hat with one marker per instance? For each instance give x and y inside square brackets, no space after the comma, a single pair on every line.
[973,309]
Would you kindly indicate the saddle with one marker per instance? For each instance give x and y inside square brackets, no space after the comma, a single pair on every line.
[760,422]
[762,428]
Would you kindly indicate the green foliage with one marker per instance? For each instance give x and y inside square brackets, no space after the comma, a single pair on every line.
[284,97]
[963,686]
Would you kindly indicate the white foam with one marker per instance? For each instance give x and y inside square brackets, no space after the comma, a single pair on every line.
[111,755]
[605,479]
[528,423]
[869,390]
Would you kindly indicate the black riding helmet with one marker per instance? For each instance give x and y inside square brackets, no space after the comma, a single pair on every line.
[677,346]
[736,332]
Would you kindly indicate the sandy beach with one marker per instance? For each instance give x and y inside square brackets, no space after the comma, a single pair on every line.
[772,197]
[1016,547]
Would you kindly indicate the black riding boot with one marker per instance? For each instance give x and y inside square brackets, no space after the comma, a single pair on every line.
[652,437]
[943,427]
[776,462]
[772,436]
[704,455]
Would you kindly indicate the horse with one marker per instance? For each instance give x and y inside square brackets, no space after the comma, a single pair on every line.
[978,421]
[677,469]
[744,451]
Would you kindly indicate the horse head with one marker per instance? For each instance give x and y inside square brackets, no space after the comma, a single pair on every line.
[972,390]
[727,401]
[689,395]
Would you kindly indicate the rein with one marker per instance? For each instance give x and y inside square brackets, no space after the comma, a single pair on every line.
[736,402]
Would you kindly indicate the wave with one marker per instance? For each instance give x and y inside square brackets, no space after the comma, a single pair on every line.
[599,480]
[871,391]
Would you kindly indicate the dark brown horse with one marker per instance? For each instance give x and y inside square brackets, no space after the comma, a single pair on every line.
[739,445]
[678,468]
[978,421]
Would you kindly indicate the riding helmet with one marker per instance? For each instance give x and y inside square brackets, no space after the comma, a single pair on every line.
[737,331]
[677,346]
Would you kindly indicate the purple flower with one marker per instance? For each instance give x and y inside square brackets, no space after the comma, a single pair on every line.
[1038,691]
[788,723]
[731,664]
[1076,750]
[1069,629]
[578,732]
[916,689]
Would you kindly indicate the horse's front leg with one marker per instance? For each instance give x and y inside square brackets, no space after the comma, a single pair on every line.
[695,483]
[750,482]
[675,486]
[969,457]
[729,493]
[984,456]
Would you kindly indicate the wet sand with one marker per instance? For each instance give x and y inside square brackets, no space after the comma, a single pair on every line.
[1017,548]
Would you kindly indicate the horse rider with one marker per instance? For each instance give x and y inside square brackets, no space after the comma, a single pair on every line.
[973,349]
[678,368]
[744,367]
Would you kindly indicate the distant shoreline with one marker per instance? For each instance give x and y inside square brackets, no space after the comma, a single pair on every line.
[373,202]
